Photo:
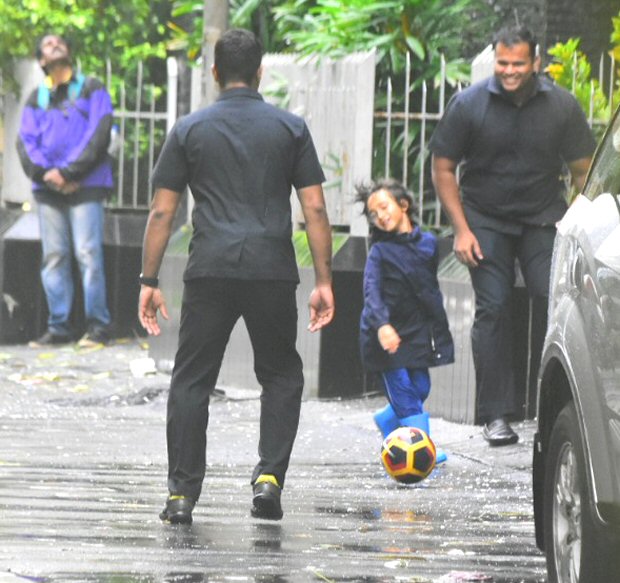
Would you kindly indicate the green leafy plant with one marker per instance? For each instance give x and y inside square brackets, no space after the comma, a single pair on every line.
[424,29]
[571,69]
[255,15]
[427,32]
[278,91]
[615,53]
[99,30]
[302,249]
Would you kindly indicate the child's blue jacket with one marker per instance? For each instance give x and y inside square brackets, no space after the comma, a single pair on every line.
[401,289]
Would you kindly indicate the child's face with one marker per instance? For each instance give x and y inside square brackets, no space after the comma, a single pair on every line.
[387,214]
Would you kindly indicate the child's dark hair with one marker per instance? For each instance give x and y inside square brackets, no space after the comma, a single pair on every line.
[364,191]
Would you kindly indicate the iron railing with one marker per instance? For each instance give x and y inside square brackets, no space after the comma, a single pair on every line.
[141,124]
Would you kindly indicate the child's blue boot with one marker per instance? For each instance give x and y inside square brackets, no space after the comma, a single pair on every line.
[386,420]
[421,421]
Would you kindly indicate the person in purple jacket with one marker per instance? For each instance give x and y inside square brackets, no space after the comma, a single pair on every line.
[63,147]
[404,328]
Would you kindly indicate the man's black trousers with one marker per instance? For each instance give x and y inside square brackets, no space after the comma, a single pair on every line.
[492,332]
[210,309]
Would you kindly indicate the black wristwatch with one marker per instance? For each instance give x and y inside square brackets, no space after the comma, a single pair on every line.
[149,281]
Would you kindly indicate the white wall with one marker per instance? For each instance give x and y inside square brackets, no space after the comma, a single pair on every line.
[336,98]
[483,64]
[16,187]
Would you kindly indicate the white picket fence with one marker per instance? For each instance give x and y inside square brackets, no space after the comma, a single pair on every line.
[336,98]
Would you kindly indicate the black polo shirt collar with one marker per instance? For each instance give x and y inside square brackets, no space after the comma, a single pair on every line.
[240,92]
[494,86]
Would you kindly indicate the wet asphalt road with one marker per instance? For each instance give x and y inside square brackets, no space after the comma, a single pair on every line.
[82,479]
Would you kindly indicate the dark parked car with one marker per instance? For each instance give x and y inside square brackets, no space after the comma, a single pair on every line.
[576,476]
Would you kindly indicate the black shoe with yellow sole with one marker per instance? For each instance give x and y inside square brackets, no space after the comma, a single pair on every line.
[266,500]
[178,510]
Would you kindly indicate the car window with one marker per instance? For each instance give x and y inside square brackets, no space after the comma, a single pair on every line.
[605,173]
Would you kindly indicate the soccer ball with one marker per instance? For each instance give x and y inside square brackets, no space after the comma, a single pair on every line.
[408,455]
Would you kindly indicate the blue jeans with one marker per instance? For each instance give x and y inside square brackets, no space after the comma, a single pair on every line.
[68,231]
[407,389]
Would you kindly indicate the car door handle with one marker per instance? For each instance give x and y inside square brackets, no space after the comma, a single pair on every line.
[576,271]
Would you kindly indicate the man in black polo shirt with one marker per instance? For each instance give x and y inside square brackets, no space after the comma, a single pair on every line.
[240,157]
[512,135]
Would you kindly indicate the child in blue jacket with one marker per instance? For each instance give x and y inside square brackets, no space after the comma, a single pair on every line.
[404,328]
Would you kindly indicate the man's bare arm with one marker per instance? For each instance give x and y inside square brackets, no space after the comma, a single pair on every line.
[320,241]
[466,246]
[156,236]
[579,172]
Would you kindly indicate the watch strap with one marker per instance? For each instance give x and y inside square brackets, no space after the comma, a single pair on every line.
[149,281]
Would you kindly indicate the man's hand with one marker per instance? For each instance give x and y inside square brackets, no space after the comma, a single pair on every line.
[579,173]
[320,242]
[151,300]
[70,187]
[388,338]
[156,235]
[54,179]
[321,307]
[467,249]
[466,246]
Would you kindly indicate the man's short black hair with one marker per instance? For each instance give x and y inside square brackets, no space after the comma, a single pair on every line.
[510,36]
[238,55]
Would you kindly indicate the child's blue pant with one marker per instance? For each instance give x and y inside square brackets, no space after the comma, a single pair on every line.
[407,389]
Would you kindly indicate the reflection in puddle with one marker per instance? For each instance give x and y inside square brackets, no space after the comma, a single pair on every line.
[360,513]
[268,537]
[185,578]
[390,515]
[404,516]
[181,536]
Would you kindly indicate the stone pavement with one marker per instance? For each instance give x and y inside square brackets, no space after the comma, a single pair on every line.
[82,479]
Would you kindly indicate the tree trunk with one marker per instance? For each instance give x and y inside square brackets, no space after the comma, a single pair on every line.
[215,23]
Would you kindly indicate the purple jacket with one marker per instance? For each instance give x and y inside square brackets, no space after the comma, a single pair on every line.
[71,134]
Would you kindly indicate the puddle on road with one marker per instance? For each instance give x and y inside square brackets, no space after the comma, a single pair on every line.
[355,525]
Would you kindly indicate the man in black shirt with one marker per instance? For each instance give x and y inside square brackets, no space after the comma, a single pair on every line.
[512,135]
[240,157]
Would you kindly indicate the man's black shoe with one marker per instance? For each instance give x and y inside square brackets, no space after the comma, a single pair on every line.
[93,338]
[266,501]
[499,432]
[178,510]
[49,339]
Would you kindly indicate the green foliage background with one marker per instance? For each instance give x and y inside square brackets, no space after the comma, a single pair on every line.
[123,32]
[133,30]
[428,31]
[571,69]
